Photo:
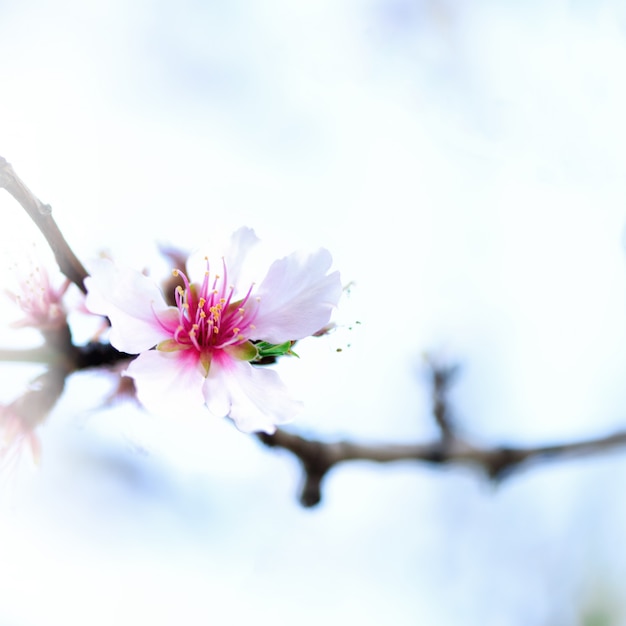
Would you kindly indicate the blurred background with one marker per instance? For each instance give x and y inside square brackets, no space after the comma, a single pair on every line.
[465,165]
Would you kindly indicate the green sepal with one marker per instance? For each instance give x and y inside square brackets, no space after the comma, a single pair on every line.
[244,351]
[170,345]
[266,349]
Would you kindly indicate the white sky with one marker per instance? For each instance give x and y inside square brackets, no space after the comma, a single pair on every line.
[465,166]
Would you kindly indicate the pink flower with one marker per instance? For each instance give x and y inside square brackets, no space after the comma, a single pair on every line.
[206,345]
[40,301]
[16,431]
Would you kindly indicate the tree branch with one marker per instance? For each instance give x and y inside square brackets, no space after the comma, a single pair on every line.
[41,214]
[496,461]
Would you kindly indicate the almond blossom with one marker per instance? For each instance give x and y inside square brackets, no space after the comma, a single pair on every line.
[202,350]
[40,301]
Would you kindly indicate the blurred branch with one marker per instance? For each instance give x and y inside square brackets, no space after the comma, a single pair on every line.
[28,355]
[41,214]
[73,358]
[96,354]
[496,461]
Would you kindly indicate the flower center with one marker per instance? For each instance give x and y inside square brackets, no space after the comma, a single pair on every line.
[208,318]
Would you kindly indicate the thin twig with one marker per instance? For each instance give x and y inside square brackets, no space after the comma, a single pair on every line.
[41,214]
[441,379]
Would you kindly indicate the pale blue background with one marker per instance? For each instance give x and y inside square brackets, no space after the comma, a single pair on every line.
[464,163]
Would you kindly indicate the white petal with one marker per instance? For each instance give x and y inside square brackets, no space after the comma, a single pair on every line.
[253,397]
[168,383]
[241,242]
[296,297]
[131,301]
[234,251]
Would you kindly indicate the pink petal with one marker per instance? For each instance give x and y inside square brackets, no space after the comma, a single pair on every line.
[253,397]
[168,383]
[131,301]
[296,297]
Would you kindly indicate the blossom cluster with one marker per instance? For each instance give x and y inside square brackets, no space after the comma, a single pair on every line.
[41,303]
[201,341]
